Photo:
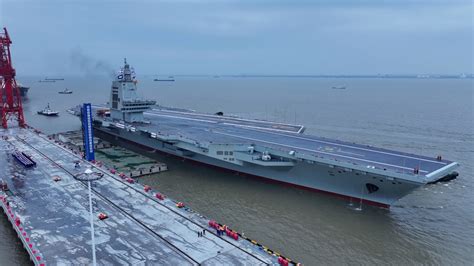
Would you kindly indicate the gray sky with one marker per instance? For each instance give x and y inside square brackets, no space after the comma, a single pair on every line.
[63,37]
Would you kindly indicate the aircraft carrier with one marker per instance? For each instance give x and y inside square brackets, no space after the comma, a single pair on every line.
[276,151]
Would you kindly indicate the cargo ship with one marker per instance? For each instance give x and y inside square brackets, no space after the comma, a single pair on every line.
[23,90]
[275,151]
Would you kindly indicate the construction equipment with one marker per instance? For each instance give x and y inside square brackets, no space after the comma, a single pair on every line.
[10,97]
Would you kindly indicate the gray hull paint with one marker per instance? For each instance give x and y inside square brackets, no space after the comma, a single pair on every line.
[315,176]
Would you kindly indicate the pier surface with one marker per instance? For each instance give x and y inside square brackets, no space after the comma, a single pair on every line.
[52,217]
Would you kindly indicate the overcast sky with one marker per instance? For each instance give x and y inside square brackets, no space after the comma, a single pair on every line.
[63,37]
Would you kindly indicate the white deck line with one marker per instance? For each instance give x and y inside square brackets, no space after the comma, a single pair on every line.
[184,118]
[214,122]
[358,148]
[256,127]
[231,118]
[316,151]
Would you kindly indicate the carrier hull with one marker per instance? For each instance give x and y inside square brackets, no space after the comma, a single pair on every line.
[323,178]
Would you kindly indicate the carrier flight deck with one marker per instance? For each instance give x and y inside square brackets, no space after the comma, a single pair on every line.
[216,129]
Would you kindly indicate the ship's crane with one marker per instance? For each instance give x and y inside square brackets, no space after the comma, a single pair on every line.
[10,97]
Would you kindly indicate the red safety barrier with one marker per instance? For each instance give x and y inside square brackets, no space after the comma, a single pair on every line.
[213,224]
[159,196]
[112,171]
[147,188]
[282,261]
[235,236]
[103,216]
[130,180]
[180,205]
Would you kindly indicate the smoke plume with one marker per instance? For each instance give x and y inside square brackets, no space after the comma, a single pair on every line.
[89,65]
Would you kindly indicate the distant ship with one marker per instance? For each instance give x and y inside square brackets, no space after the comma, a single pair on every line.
[339,88]
[65,91]
[48,112]
[23,90]
[276,151]
[168,79]
[54,79]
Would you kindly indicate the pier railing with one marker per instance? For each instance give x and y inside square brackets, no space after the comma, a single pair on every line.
[35,255]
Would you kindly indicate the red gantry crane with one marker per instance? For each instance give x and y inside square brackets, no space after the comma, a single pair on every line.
[10,97]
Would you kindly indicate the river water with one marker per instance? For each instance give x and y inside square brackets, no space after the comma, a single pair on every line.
[432,225]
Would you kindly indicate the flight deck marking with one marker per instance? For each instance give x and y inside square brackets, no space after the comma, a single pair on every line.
[231,118]
[214,122]
[359,148]
[269,130]
[333,154]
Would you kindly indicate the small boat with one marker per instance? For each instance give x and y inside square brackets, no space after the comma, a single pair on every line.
[339,88]
[65,91]
[48,112]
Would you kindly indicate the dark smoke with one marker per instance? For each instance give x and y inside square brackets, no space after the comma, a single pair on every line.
[89,65]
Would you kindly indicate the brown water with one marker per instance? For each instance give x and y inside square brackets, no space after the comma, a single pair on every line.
[433,225]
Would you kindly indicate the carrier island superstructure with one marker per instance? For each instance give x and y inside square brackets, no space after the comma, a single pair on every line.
[274,151]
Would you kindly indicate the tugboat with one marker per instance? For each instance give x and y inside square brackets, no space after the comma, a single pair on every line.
[66,91]
[48,112]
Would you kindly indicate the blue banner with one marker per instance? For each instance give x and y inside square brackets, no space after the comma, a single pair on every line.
[88,132]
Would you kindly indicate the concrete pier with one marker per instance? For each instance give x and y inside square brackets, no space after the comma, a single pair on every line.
[48,208]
